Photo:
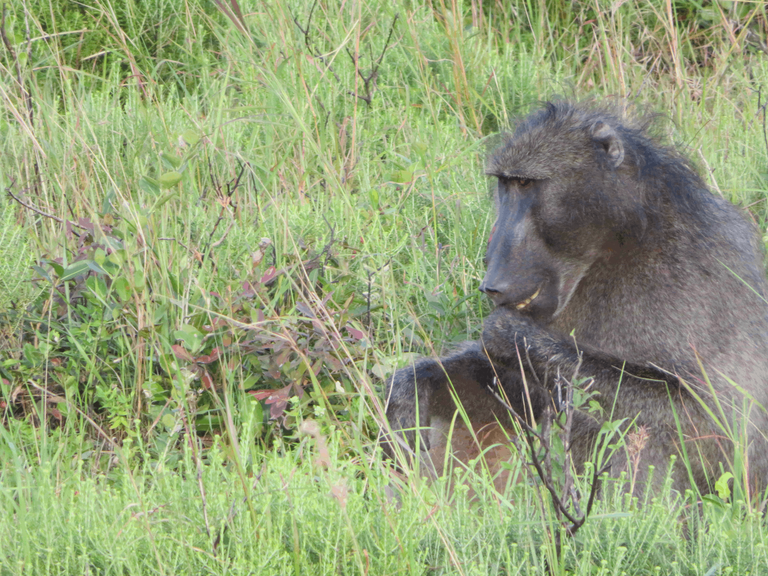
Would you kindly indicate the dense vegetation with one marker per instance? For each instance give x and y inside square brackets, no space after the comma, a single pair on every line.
[223,222]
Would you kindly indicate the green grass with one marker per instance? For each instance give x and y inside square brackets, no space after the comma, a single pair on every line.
[304,517]
[137,341]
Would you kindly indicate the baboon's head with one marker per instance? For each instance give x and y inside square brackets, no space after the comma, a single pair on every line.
[566,196]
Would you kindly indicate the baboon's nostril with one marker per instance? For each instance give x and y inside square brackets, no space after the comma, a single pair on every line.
[490,290]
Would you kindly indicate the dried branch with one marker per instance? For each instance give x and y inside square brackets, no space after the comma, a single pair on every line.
[187,248]
[369,81]
[225,198]
[575,517]
[374,73]
[41,212]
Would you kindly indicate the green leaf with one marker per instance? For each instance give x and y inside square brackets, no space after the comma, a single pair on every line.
[58,269]
[32,354]
[190,137]
[97,286]
[170,160]
[721,486]
[99,256]
[122,288]
[190,336]
[75,269]
[42,273]
[164,198]
[169,180]
[93,265]
[149,185]
[138,280]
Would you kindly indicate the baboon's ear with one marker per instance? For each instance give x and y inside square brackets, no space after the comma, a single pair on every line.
[607,137]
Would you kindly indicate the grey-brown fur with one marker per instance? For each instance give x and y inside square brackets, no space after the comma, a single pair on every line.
[637,262]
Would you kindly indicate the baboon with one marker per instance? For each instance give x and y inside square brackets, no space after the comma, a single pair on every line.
[609,246]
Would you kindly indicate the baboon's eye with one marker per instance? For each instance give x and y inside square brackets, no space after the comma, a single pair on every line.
[518,182]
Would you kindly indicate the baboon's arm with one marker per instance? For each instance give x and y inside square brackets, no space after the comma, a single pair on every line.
[424,388]
[508,336]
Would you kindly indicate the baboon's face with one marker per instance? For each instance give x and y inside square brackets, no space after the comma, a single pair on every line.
[531,266]
[551,223]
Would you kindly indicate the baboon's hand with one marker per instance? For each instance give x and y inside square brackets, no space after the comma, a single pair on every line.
[507,334]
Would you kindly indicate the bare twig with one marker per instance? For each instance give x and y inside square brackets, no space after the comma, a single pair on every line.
[711,173]
[374,73]
[220,241]
[41,212]
[520,420]
[369,81]
[225,199]
[187,248]
[541,463]
[308,41]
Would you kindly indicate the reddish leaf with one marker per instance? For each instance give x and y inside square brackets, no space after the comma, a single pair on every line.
[277,400]
[261,394]
[282,358]
[274,372]
[279,395]
[356,334]
[268,275]
[334,362]
[208,358]
[277,408]
[207,381]
[181,353]
[55,413]
[86,223]
[306,310]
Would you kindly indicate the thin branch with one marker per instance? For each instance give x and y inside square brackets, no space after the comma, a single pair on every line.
[187,248]
[520,420]
[577,518]
[223,236]
[370,79]
[232,186]
[41,212]
[374,74]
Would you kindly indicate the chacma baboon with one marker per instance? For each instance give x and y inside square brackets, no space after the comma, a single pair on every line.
[609,244]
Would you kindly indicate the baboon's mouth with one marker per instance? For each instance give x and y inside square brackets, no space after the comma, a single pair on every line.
[531,298]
